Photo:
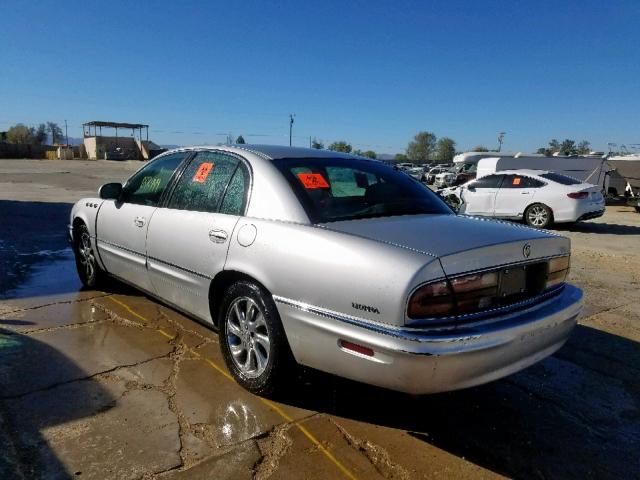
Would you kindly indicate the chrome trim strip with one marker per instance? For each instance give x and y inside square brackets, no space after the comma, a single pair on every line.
[180,268]
[453,332]
[100,240]
[397,332]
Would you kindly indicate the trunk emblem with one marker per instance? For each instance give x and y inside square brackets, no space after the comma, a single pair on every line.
[526,250]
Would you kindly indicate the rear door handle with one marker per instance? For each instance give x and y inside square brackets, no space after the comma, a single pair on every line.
[139,221]
[217,236]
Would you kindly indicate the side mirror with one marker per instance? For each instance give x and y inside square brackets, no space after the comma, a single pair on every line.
[110,191]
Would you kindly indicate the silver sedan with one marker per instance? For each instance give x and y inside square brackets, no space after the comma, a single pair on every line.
[317,258]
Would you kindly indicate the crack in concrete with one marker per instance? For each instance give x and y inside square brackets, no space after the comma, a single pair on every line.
[273,445]
[376,455]
[62,302]
[183,329]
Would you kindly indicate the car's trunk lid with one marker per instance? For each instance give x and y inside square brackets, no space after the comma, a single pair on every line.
[462,244]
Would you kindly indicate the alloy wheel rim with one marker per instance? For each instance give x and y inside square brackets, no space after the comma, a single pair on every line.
[86,254]
[538,216]
[248,337]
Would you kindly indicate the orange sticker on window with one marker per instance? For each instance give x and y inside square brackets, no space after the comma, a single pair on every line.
[313,180]
[516,181]
[203,172]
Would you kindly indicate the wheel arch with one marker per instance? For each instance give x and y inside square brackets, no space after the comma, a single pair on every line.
[219,285]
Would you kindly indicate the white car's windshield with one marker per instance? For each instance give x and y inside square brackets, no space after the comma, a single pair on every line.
[332,189]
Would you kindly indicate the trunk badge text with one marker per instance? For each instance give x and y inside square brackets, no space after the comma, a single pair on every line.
[366,308]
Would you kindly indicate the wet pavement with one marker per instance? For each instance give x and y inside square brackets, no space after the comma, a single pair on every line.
[113,384]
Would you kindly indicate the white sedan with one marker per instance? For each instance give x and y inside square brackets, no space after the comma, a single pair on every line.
[538,197]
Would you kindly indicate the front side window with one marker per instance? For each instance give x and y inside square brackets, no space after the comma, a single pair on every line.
[204,182]
[333,189]
[490,181]
[146,186]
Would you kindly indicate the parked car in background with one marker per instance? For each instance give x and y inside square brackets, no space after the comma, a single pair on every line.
[457,175]
[415,172]
[404,166]
[331,261]
[429,176]
[538,197]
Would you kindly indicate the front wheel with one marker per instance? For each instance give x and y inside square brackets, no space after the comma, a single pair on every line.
[538,215]
[91,275]
[252,339]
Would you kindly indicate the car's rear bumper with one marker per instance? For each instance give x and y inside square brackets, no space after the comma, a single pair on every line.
[578,211]
[423,361]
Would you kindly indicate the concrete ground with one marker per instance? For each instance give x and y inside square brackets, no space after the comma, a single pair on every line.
[112,384]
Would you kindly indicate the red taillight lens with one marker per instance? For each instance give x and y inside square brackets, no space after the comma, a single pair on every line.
[558,271]
[472,292]
[578,195]
[432,300]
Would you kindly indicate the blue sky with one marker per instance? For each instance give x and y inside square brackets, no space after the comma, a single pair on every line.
[372,73]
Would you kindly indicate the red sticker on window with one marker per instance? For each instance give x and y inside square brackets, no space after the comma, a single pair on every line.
[313,180]
[203,172]
[516,181]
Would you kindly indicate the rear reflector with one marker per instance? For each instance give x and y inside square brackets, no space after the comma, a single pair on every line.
[578,195]
[354,347]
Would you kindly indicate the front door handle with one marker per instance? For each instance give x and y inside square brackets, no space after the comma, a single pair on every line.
[139,221]
[217,236]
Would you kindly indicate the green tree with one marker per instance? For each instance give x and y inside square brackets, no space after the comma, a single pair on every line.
[480,148]
[240,140]
[317,144]
[20,133]
[445,149]
[421,149]
[568,147]
[369,154]
[340,146]
[40,135]
[55,131]
[584,147]
[401,157]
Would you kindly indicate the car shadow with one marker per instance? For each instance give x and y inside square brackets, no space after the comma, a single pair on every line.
[574,415]
[34,378]
[599,228]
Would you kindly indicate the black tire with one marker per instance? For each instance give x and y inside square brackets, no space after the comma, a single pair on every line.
[242,341]
[90,273]
[538,215]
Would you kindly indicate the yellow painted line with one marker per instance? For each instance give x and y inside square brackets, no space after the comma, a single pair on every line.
[268,403]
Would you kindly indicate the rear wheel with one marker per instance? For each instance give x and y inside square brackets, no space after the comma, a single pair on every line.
[252,340]
[91,275]
[538,215]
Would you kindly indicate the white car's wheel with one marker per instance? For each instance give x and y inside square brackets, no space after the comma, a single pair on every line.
[252,340]
[538,215]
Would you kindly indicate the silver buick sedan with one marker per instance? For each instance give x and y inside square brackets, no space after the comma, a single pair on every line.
[340,263]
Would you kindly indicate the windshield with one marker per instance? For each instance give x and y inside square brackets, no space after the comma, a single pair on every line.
[332,189]
[562,179]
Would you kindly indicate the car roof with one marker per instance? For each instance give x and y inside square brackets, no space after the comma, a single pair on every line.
[521,172]
[275,152]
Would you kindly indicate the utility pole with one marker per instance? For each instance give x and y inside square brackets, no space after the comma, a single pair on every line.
[501,139]
[291,115]
[66,135]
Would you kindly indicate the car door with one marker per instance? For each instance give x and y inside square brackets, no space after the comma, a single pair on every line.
[479,196]
[122,224]
[188,240]
[516,193]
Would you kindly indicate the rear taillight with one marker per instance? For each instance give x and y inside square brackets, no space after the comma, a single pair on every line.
[558,271]
[458,296]
[578,195]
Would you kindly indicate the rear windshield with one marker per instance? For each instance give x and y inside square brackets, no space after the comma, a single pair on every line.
[346,189]
[563,179]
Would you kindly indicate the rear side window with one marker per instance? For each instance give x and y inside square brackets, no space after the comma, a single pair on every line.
[235,198]
[333,189]
[520,181]
[146,186]
[490,181]
[562,179]
[204,182]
